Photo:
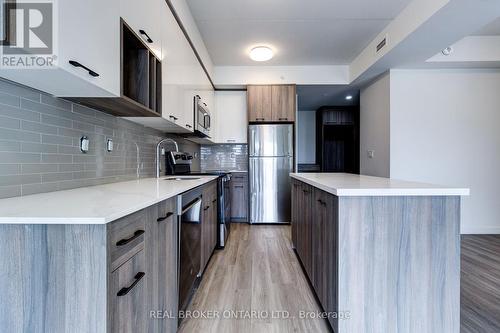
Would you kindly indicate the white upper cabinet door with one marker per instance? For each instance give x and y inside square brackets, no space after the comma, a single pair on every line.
[89,35]
[144,18]
[179,67]
[232,119]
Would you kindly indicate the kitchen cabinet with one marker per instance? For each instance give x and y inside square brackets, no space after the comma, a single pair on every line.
[315,238]
[144,18]
[163,261]
[259,103]
[302,195]
[231,117]
[182,79]
[94,46]
[143,272]
[283,103]
[127,289]
[239,197]
[208,223]
[271,103]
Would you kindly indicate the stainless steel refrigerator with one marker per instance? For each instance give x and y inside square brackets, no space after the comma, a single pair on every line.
[270,151]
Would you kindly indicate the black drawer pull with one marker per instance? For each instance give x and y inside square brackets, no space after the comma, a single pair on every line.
[214,201]
[206,208]
[164,217]
[77,64]
[188,126]
[124,291]
[322,202]
[239,186]
[122,242]
[283,118]
[173,117]
[260,119]
[148,39]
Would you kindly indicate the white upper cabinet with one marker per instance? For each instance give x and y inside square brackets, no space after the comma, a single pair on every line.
[144,18]
[231,116]
[87,34]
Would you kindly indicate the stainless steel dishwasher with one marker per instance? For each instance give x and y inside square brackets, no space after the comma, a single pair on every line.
[190,246]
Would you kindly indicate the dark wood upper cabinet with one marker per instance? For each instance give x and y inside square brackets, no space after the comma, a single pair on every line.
[259,103]
[271,103]
[283,103]
[140,81]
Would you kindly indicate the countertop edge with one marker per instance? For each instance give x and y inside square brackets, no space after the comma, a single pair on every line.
[353,192]
[96,220]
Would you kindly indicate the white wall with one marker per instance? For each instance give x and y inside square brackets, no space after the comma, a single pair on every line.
[374,128]
[306,135]
[445,129]
[240,76]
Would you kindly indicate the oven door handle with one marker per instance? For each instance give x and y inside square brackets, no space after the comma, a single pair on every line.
[191,205]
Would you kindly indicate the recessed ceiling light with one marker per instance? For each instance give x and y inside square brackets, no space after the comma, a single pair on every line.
[348,97]
[261,53]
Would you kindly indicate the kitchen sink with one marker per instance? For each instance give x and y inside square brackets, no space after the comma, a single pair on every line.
[182,178]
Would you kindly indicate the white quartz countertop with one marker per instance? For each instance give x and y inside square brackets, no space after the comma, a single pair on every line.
[94,204]
[344,184]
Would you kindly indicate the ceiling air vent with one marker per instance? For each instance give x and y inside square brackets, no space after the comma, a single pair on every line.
[382,44]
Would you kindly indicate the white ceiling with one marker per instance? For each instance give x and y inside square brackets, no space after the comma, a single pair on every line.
[491,29]
[301,32]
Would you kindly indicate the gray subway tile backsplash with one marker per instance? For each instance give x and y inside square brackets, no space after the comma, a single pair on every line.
[224,157]
[39,144]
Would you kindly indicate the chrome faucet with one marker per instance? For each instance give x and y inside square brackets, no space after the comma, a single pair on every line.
[158,163]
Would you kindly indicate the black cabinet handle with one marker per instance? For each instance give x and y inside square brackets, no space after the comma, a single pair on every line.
[148,39]
[260,119]
[122,242]
[164,217]
[206,208]
[283,118]
[77,64]
[124,291]
[239,186]
[188,126]
[214,201]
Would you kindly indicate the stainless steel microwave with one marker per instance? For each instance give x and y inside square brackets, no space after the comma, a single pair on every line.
[201,118]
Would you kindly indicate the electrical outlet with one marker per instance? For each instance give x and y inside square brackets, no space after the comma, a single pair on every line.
[84,144]
[371,153]
[109,145]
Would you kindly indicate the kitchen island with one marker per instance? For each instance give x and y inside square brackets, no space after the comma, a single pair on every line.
[96,259]
[382,255]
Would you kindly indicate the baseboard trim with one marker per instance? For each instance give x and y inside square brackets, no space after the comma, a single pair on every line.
[480,230]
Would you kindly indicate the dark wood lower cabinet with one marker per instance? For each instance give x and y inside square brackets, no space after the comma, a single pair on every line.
[239,197]
[128,290]
[208,223]
[315,238]
[303,222]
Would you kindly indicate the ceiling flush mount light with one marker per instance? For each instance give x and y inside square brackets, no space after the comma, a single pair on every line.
[261,53]
[348,97]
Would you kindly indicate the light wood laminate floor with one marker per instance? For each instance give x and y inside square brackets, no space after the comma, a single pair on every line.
[257,271]
[480,284]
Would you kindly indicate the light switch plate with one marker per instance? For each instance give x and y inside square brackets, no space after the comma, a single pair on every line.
[371,153]
[84,144]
